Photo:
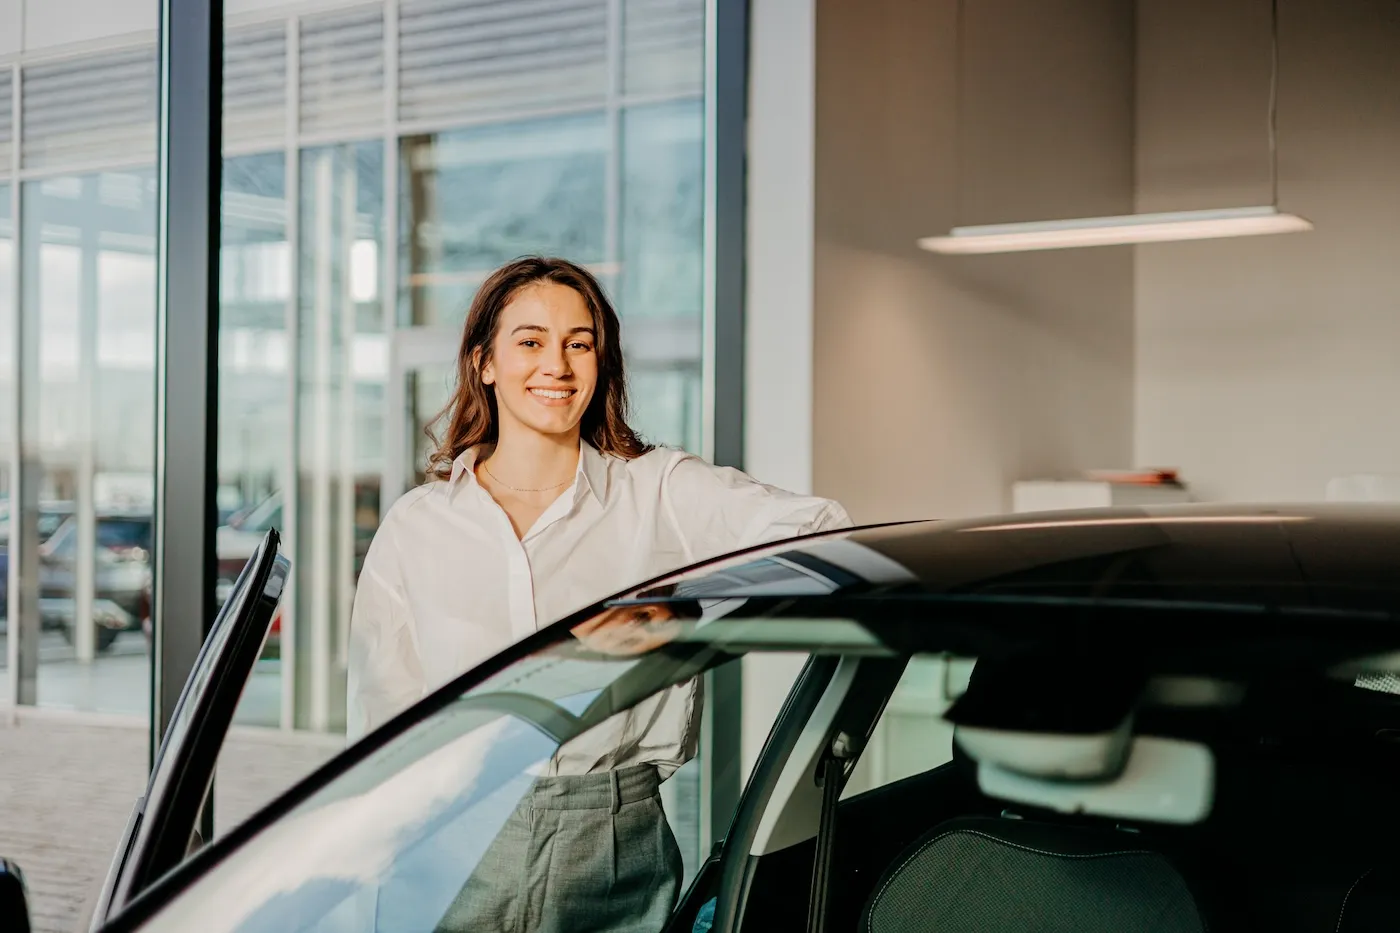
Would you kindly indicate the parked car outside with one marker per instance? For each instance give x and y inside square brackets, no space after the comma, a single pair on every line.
[1174,719]
[51,516]
[121,574]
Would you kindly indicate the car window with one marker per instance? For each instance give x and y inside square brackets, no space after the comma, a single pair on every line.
[911,736]
[121,534]
[401,840]
[266,514]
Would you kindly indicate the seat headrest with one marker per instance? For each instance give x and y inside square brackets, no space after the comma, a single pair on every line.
[976,874]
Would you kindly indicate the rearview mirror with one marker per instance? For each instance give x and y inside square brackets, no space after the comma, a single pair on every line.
[14,902]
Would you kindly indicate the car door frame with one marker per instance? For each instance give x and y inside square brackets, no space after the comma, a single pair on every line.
[161,831]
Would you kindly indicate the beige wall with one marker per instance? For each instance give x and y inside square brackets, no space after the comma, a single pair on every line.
[1267,365]
[941,380]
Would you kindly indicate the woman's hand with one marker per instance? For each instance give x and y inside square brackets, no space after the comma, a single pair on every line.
[629,630]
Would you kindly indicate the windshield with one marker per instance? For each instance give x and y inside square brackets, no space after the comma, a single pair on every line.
[520,792]
[603,715]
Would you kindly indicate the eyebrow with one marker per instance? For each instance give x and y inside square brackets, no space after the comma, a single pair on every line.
[540,329]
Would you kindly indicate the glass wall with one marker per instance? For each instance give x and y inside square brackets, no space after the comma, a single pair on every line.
[361,207]
[337,344]
[504,132]
[87,253]
[343,370]
[255,287]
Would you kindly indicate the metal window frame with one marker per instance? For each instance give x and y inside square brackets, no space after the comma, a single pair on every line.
[22,610]
[726,146]
[189,169]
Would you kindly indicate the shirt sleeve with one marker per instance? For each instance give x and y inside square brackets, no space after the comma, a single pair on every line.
[720,509]
[384,676]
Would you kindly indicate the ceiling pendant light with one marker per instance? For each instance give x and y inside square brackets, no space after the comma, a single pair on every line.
[1136,228]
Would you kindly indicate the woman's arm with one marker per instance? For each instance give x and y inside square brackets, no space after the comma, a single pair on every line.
[719,509]
[384,676]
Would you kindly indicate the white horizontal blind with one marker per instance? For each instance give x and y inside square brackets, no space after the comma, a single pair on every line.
[101,108]
[342,71]
[462,58]
[255,86]
[663,43]
[7,117]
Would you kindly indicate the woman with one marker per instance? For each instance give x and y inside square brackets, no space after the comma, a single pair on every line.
[542,500]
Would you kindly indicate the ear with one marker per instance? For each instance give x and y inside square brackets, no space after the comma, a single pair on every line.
[488,373]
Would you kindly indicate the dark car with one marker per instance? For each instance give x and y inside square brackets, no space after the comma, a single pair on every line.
[49,519]
[121,574]
[1184,719]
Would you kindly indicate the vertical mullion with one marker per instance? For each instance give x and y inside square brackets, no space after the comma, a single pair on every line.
[21,644]
[85,553]
[287,647]
[722,365]
[393,476]
[187,330]
[612,172]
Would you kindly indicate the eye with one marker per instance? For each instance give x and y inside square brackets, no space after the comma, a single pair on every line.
[529,342]
[580,345]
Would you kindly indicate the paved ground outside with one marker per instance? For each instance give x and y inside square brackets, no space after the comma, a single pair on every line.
[68,781]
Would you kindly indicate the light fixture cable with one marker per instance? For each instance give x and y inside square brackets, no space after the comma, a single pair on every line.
[958,65]
[1273,103]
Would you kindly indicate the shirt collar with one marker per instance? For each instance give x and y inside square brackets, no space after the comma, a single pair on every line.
[592,467]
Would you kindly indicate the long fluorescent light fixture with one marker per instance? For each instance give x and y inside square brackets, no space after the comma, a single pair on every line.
[1116,231]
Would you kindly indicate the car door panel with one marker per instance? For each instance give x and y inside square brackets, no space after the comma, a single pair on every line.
[162,828]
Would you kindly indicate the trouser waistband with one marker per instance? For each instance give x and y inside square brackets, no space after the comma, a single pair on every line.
[601,791]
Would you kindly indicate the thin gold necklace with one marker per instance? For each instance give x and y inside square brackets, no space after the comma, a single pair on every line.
[518,488]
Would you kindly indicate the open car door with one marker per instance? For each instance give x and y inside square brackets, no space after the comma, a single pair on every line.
[161,831]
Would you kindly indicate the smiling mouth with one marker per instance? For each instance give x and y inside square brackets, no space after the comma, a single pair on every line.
[552,393]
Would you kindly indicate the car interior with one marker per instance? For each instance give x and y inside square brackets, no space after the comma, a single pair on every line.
[1133,801]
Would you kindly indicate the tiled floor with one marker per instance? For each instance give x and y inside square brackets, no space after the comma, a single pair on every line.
[68,781]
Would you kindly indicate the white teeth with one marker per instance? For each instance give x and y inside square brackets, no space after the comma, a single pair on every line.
[552,393]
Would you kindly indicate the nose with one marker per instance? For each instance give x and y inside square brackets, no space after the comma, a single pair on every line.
[556,363]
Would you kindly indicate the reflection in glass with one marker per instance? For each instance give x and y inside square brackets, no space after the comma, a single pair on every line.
[255,286]
[343,372]
[662,271]
[476,198]
[413,836]
[428,390]
[7,395]
[88,249]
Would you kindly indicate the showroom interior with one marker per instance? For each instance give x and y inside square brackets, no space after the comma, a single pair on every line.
[752,180]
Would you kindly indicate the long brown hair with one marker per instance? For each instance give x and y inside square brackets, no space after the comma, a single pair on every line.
[471,415]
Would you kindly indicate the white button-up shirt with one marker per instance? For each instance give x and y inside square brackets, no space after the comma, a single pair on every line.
[447,584]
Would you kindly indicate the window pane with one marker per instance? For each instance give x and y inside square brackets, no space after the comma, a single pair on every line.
[473,199]
[255,281]
[433,831]
[89,257]
[912,737]
[343,359]
[663,267]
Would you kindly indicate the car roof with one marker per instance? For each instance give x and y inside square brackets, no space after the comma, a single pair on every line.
[1344,557]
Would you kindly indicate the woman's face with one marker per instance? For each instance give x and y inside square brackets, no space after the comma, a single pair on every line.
[544,360]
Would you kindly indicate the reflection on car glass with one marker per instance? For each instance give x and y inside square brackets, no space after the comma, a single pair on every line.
[567,670]
[751,579]
[1381,683]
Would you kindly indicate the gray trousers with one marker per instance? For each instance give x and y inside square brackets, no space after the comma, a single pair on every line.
[580,853]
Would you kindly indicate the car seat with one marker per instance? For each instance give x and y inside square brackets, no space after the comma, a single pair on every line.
[977,874]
